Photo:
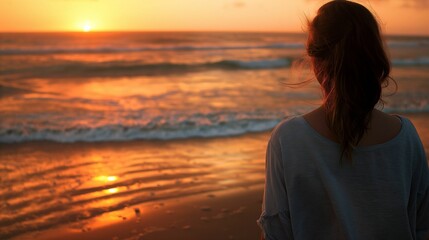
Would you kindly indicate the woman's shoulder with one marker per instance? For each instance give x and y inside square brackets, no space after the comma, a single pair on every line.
[289,127]
[407,124]
[383,128]
[288,122]
[409,131]
[407,128]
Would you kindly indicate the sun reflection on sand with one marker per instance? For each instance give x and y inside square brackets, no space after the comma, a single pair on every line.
[112,190]
[111,184]
[106,178]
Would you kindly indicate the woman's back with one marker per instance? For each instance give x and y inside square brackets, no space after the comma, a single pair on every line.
[382,194]
[346,170]
[381,127]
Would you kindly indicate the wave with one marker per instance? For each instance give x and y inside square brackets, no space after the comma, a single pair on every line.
[37,51]
[245,64]
[407,44]
[258,64]
[422,61]
[130,68]
[112,49]
[181,126]
[77,69]
[197,126]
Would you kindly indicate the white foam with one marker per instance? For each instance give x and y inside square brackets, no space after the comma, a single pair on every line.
[181,130]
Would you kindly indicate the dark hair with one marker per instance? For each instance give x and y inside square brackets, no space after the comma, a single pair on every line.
[350,62]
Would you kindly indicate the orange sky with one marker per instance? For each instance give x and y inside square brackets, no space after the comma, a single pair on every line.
[398,16]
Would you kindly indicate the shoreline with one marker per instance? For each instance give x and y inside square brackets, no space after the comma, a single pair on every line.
[414,117]
[200,187]
[75,189]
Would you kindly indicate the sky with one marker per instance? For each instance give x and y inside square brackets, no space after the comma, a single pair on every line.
[397,16]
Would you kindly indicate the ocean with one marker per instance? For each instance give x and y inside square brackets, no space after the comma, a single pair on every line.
[70,87]
[140,135]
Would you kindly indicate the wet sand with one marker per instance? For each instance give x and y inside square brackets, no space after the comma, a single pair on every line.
[82,187]
[219,215]
[187,189]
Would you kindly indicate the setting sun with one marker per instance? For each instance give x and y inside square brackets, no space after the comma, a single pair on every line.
[175,15]
[87,27]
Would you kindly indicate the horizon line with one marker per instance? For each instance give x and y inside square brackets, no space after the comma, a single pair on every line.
[194,31]
[101,31]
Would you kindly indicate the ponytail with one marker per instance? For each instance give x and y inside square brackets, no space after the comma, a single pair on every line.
[350,63]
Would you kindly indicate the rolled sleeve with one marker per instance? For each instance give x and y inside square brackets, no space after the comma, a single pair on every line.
[276,227]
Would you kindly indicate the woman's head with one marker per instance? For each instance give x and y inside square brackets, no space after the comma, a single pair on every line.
[350,63]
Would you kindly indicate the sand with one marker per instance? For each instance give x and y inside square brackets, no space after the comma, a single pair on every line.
[186,189]
[86,190]
[218,215]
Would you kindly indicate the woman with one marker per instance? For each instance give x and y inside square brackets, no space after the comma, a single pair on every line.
[346,170]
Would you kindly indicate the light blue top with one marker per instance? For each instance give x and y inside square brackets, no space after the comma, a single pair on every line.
[384,194]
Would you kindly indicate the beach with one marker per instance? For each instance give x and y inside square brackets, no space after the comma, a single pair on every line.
[221,215]
[157,135]
[192,189]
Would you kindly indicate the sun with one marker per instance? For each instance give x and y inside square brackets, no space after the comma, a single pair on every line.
[87,27]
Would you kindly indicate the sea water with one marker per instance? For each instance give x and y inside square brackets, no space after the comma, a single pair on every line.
[70,87]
